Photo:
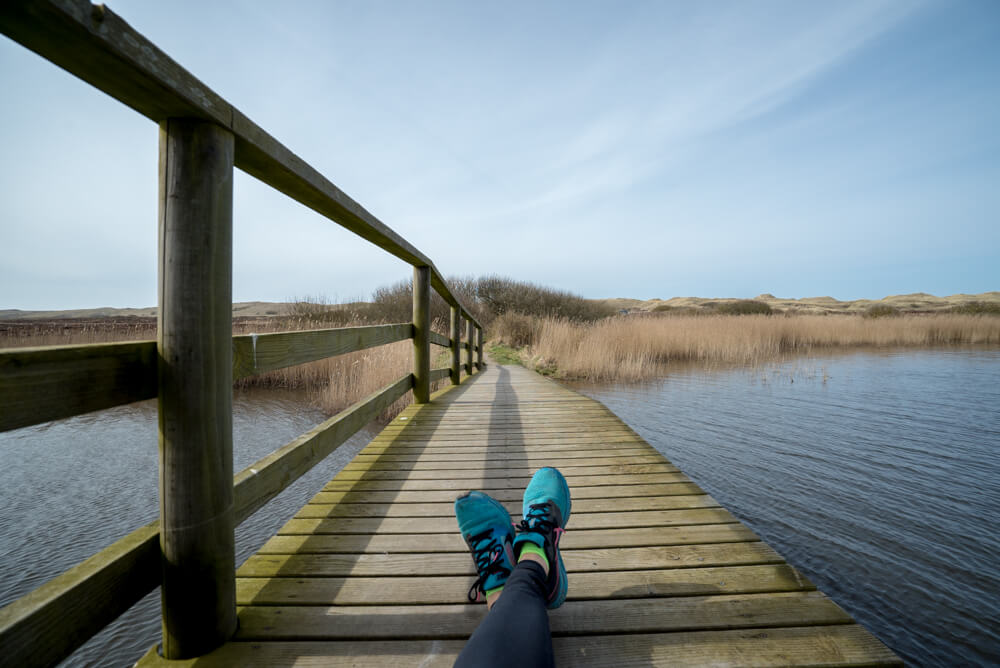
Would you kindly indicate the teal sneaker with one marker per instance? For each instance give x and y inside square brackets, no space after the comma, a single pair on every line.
[488,531]
[546,511]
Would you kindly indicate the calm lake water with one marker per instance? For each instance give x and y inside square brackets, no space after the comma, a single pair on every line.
[72,487]
[876,474]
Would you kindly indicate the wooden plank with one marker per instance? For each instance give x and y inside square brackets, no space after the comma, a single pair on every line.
[421,590]
[467,451]
[579,473]
[438,374]
[258,353]
[448,509]
[372,654]
[194,330]
[733,532]
[502,439]
[830,645]
[691,613]
[502,456]
[439,339]
[368,508]
[484,427]
[496,467]
[266,478]
[53,382]
[489,484]
[46,625]
[509,494]
[609,559]
[643,518]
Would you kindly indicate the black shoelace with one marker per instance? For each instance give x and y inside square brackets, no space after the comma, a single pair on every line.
[541,519]
[487,552]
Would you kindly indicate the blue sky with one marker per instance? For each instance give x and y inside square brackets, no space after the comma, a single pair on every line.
[621,149]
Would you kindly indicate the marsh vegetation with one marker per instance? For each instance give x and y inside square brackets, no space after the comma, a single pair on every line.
[559,333]
[635,348]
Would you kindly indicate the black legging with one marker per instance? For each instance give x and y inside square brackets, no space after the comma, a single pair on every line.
[515,631]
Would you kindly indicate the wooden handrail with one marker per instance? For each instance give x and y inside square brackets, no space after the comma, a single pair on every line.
[53,382]
[258,353]
[202,138]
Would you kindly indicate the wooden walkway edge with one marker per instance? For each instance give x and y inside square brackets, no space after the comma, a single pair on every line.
[373,572]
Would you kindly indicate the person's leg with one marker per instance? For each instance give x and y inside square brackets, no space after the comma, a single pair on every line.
[515,631]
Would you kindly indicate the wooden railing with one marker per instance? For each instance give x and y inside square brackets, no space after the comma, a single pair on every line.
[190,368]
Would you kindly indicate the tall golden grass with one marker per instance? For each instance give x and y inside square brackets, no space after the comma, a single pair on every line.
[635,348]
[331,384]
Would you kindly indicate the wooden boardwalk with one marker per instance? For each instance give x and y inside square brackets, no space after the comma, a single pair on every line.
[373,572]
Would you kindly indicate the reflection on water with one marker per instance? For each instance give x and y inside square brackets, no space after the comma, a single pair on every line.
[876,474]
[72,487]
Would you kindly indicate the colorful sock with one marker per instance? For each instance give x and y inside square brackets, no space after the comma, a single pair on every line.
[495,590]
[531,548]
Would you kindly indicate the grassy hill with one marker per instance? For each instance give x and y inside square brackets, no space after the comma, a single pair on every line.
[917,302]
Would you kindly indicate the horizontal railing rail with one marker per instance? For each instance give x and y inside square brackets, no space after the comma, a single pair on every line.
[42,384]
[52,382]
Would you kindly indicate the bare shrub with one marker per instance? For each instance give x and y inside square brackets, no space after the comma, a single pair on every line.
[744,307]
[515,329]
[881,311]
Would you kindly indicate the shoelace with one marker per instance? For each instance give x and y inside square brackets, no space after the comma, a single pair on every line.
[539,519]
[488,553]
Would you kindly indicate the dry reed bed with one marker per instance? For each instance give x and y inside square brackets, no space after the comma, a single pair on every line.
[629,348]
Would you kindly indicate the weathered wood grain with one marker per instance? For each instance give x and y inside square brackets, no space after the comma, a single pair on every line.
[639,615]
[513,494]
[448,509]
[638,518]
[258,353]
[46,625]
[453,589]
[194,334]
[606,559]
[630,484]
[696,534]
[421,334]
[439,339]
[455,345]
[53,382]
[832,645]
[266,478]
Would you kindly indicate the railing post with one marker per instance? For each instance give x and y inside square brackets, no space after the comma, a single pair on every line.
[468,346]
[421,335]
[479,340]
[456,342]
[195,387]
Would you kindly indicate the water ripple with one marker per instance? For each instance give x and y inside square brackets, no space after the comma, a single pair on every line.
[878,478]
[71,487]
